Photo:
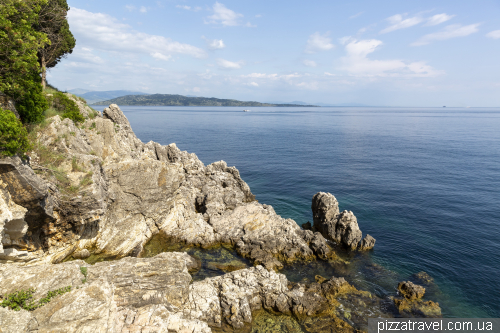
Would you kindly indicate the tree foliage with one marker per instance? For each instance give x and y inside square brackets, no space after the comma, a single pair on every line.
[19,68]
[52,21]
[13,135]
[19,44]
[31,103]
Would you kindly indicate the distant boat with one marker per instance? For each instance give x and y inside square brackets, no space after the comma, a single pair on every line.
[246,110]
[444,106]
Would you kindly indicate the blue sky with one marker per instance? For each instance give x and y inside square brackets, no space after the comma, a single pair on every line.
[394,53]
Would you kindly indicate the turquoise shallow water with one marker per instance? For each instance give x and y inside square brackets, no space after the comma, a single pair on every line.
[424,182]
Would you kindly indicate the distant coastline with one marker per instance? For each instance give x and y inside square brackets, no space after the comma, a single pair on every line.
[179,100]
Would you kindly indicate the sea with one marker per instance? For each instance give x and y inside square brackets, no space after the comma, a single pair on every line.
[425,182]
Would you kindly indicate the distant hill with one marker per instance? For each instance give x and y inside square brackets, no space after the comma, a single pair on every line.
[78,91]
[96,96]
[179,100]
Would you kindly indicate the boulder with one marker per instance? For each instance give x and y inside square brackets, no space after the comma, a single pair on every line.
[367,243]
[340,227]
[411,291]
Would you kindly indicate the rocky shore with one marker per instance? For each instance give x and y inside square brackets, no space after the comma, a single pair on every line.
[94,193]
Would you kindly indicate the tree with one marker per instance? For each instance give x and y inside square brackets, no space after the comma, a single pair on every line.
[19,44]
[52,22]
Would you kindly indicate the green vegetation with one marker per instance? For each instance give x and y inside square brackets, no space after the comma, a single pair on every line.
[20,300]
[20,44]
[84,272]
[19,69]
[179,100]
[13,135]
[75,166]
[23,299]
[64,104]
[52,294]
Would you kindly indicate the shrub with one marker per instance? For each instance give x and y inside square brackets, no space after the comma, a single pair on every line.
[13,135]
[63,103]
[31,104]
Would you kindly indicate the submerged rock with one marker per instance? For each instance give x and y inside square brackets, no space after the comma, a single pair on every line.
[423,277]
[341,227]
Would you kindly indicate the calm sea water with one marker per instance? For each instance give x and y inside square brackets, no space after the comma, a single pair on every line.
[424,182]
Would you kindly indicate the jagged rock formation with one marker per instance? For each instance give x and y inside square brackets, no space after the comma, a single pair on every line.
[144,189]
[12,224]
[155,295]
[137,295]
[341,227]
[31,195]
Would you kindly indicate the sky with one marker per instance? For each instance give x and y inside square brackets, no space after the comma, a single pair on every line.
[384,53]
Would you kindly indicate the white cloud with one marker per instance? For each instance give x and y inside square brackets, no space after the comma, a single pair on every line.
[261,76]
[308,85]
[345,39]
[253,84]
[85,55]
[451,31]
[105,33]
[494,34]
[214,44]
[329,74]
[438,19]
[309,63]
[196,89]
[226,64]
[158,55]
[357,63]
[143,9]
[130,8]
[194,9]
[356,15]
[397,23]
[318,42]
[223,15]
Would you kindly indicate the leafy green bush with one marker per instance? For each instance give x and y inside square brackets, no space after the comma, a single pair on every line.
[13,135]
[62,103]
[31,103]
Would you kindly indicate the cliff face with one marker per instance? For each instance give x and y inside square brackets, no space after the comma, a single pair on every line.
[95,191]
